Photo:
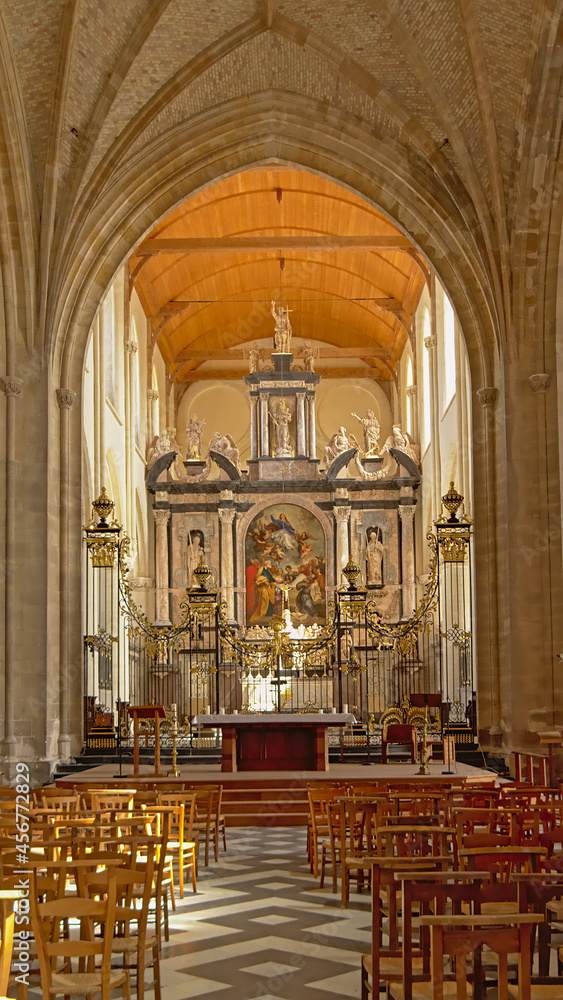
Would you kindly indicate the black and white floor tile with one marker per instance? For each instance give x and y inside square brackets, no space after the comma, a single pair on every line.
[259,927]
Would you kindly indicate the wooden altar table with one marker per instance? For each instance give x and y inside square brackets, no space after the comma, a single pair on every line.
[275,741]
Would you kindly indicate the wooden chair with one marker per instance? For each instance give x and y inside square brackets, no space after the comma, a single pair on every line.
[425,893]
[7,918]
[134,887]
[56,952]
[384,963]
[462,937]
[352,827]
[398,735]
[181,808]
[207,819]
[317,827]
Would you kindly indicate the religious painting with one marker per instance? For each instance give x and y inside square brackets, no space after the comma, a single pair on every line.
[285,554]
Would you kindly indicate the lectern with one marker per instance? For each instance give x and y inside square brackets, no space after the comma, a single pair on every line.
[155,712]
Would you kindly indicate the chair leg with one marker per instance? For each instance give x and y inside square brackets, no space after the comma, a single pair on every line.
[156,972]
[181,875]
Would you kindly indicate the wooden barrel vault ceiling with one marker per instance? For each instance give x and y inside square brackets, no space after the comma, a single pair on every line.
[207,273]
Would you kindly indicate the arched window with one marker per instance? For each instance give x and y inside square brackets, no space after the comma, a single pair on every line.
[426,388]
[448,352]
[408,403]
[108,334]
[135,415]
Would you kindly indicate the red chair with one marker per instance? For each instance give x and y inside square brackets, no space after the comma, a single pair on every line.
[399,735]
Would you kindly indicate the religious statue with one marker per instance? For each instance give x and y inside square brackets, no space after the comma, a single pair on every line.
[374,558]
[371,432]
[283,331]
[253,359]
[338,443]
[403,442]
[281,419]
[194,431]
[161,446]
[310,354]
[225,445]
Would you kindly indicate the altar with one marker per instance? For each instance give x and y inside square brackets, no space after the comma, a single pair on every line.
[275,741]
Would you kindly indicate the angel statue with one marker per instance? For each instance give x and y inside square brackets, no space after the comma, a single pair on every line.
[338,443]
[283,331]
[225,445]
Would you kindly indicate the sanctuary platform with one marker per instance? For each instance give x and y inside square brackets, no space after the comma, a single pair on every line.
[271,798]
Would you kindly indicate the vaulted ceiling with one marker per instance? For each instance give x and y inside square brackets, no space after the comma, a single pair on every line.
[208,273]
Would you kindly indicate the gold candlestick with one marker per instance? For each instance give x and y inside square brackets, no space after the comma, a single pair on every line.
[424,768]
[174,773]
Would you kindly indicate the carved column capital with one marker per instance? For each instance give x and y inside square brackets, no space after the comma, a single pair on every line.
[341,514]
[152,395]
[431,341]
[406,513]
[264,396]
[65,398]
[540,383]
[412,391]
[161,517]
[226,514]
[11,385]
[130,346]
[487,396]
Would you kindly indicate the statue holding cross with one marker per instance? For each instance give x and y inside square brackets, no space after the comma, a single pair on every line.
[283,331]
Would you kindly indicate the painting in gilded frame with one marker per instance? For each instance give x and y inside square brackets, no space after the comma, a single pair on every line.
[285,545]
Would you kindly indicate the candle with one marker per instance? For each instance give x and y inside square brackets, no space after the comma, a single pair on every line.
[235,711]
[345,709]
[333,709]
[208,710]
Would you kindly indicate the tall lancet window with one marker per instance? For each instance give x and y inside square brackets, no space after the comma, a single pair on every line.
[426,388]
[449,353]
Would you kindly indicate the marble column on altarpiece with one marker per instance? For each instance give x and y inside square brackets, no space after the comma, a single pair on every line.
[342,517]
[162,518]
[406,514]
[226,517]
[312,427]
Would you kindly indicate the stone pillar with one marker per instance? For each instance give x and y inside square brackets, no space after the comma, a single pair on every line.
[162,518]
[264,426]
[130,348]
[406,515]
[99,471]
[226,517]
[11,386]
[412,393]
[301,426]
[253,427]
[342,517]
[312,427]
[489,662]
[65,399]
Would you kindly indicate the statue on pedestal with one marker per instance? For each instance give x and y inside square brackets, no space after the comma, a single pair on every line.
[310,355]
[283,331]
[371,432]
[281,419]
[161,446]
[194,432]
[225,445]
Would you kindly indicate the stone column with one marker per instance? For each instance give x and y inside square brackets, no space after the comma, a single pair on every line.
[162,518]
[253,427]
[342,517]
[489,662]
[65,399]
[264,426]
[301,426]
[226,517]
[406,515]
[312,427]
[130,348]
[412,393]
[11,386]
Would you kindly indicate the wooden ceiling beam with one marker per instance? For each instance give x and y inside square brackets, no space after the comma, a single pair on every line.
[230,374]
[259,244]
[236,354]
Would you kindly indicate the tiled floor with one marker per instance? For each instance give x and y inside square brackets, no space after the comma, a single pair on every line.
[259,927]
